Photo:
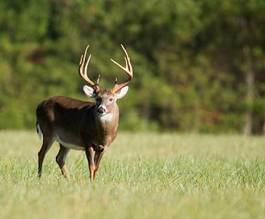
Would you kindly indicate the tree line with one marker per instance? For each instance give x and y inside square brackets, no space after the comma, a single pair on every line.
[198,65]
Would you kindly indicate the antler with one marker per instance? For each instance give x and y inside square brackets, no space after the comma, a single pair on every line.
[128,70]
[83,71]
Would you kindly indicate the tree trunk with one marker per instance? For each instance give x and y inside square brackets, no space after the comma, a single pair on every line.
[250,84]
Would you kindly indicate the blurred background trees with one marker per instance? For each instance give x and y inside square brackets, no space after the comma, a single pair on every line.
[199,65]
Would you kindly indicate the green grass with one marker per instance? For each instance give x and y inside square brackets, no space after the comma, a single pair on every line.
[141,176]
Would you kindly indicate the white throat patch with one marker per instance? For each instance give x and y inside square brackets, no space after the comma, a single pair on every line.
[106,118]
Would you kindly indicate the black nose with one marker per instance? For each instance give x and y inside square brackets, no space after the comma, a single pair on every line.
[101,110]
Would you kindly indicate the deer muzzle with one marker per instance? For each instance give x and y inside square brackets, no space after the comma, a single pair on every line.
[102,109]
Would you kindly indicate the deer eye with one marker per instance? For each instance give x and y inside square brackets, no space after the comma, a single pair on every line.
[111,99]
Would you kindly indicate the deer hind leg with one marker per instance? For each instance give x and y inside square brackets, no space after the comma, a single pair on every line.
[46,145]
[60,159]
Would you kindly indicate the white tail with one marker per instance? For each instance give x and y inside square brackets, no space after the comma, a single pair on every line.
[39,131]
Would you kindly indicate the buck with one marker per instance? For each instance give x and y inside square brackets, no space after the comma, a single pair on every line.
[82,125]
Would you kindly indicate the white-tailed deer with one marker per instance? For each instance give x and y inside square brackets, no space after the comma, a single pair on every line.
[80,125]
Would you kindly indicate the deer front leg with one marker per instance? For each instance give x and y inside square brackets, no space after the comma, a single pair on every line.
[91,163]
[98,156]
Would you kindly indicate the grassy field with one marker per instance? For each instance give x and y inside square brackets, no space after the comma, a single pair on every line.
[141,176]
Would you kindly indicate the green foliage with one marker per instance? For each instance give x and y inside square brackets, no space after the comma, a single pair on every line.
[190,59]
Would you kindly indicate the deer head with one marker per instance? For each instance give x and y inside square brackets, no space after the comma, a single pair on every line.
[105,98]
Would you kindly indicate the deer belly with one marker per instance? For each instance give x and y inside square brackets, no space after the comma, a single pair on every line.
[68,144]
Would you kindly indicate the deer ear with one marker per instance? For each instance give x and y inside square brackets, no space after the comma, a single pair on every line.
[89,91]
[120,94]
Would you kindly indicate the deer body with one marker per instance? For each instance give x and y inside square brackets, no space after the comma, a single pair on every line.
[81,125]
[89,128]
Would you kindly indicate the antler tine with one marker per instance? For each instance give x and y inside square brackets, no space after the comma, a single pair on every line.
[98,79]
[128,70]
[81,59]
[83,68]
[128,59]
[126,63]
[118,65]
